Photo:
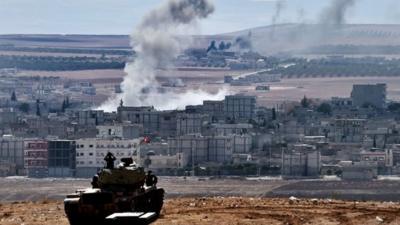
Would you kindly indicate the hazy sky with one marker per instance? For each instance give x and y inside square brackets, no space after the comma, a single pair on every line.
[121,16]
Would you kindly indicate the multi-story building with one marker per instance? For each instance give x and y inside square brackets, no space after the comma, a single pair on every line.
[239,107]
[241,143]
[348,130]
[301,160]
[215,109]
[61,158]
[91,117]
[12,152]
[36,158]
[369,94]
[197,149]
[382,158]
[224,129]
[124,131]
[190,123]
[156,123]
[90,153]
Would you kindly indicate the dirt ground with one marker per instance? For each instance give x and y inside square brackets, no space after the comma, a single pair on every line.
[212,81]
[227,211]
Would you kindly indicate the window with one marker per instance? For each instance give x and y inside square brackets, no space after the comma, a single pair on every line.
[91,153]
[90,146]
[81,153]
[82,146]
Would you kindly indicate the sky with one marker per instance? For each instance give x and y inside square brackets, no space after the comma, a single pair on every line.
[121,16]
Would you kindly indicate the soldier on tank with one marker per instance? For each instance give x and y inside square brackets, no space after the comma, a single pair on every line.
[151,179]
[95,181]
[110,158]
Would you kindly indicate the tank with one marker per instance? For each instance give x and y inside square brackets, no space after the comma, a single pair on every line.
[126,188]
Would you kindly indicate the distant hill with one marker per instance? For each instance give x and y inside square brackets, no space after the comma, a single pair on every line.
[66,41]
[282,38]
[295,37]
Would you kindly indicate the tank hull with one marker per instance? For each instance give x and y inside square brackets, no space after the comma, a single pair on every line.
[92,207]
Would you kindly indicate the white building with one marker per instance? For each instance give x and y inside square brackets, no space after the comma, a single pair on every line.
[90,153]
[125,131]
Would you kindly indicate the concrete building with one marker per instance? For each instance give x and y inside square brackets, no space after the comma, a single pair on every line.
[123,131]
[359,170]
[132,114]
[241,143]
[7,168]
[224,129]
[12,152]
[382,158]
[156,148]
[91,117]
[197,149]
[190,123]
[239,107]
[215,109]
[156,123]
[90,153]
[36,158]
[8,116]
[62,160]
[161,162]
[301,161]
[348,130]
[369,94]
[341,102]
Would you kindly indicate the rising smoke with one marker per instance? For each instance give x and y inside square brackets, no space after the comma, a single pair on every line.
[335,14]
[279,6]
[303,35]
[156,44]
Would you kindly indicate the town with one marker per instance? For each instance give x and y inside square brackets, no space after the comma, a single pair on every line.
[49,135]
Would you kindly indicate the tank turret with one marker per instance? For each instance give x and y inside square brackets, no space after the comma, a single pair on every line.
[125,188]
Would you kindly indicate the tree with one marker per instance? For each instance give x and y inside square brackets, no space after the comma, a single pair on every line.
[393,107]
[325,108]
[38,113]
[212,46]
[63,106]
[13,97]
[24,107]
[305,102]
[273,114]
[67,102]
[222,46]
[228,45]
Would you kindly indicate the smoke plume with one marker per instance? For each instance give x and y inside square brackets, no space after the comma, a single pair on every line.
[275,17]
[336,12]
[156,45]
